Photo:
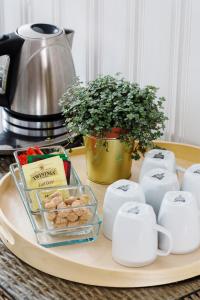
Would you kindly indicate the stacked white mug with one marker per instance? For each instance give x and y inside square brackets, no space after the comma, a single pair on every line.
[117,194]
[158,158]
[191,181]
[180,215]
[155,183]
[135,235]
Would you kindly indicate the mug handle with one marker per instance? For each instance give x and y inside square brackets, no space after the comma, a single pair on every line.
[168,234]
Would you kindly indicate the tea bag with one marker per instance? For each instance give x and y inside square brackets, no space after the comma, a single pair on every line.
[45,173]
[64,157]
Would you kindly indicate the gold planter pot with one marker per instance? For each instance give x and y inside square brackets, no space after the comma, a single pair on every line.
[107,163]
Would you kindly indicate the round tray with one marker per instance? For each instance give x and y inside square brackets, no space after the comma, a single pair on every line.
[91,263]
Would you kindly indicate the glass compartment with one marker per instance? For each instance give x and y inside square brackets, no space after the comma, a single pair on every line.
[48,236]
[67,207]
[72,178]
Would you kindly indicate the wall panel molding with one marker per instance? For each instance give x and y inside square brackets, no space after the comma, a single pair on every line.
[139,40]
[175,27]
[26,11]
[91,43]
[130,39]
[183,70]
[99,34]
[135,39]
[56,12]
[2,16]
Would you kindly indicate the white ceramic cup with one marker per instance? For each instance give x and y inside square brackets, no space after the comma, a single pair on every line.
[116,195]
[191,181]
[158,158]
[135,236]
[179,214]
[156,183]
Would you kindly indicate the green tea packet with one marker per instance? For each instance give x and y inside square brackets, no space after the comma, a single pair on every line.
[34,158]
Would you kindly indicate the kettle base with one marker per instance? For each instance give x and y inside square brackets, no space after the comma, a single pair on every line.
[10,141]
[33,127]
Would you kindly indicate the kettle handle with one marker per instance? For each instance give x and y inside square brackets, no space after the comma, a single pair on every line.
[10,44]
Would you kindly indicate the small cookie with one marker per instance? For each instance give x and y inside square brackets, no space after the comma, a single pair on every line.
[86,216]
[77,211]
[59,220]
[72,217]
[69,200]
[62,213]
[51,216]
[50,205]
[61,205]
[55,194]
[57,199]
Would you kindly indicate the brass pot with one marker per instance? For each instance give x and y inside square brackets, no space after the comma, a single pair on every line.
[107,159]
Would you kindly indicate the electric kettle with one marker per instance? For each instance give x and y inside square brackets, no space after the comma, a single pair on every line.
[39,70]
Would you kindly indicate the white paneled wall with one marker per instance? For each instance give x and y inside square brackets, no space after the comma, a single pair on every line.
[153,42]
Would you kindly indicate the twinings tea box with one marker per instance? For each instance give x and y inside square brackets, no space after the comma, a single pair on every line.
[64,157]
[44,173]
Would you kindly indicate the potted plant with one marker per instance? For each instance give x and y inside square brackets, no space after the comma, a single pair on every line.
[118,119]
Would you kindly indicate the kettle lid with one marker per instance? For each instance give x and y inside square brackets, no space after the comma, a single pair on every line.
[39,31]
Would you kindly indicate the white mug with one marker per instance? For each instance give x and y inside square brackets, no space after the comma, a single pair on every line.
[156,183]
[116,195]
[158,158]
[191,181]
[179,214]
[135,236]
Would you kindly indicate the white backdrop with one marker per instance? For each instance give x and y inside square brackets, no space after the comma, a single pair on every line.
[149,41]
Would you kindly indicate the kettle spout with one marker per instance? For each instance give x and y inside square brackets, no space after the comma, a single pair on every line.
[70,35]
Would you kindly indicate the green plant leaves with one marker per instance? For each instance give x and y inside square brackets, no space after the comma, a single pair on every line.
[110,101]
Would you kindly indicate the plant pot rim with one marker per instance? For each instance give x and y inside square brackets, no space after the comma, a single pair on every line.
[113,134]
[100,138]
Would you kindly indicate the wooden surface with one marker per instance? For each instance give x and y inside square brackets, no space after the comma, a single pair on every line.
[91,263]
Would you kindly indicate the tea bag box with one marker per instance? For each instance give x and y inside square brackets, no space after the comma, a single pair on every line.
[117,194]
[157,158]
[156,183]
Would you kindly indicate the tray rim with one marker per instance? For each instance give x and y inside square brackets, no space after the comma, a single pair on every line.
[192,268]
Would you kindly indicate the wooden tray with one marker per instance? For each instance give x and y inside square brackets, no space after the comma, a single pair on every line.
[91,263]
